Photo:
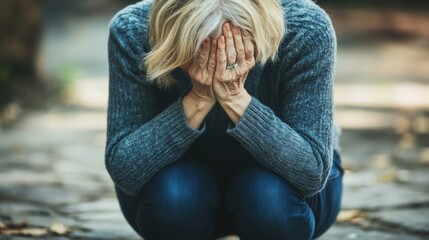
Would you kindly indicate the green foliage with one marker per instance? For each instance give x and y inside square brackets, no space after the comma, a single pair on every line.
[64,79]
[4,74]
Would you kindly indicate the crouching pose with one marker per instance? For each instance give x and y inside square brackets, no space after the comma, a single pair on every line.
[220,119]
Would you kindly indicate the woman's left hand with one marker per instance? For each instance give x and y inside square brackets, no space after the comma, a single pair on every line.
[234,45]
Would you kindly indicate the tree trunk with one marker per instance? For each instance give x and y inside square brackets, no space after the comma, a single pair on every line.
[20,31]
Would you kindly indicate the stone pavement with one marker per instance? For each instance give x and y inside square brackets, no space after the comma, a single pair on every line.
[53,183]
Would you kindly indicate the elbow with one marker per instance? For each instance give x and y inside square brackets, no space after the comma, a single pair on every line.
[312,188]
[316,177]
[314,185]
[121,174]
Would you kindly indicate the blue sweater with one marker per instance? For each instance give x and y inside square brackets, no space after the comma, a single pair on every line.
[287,128]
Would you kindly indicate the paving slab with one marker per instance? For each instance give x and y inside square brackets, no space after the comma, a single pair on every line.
[16,208]
[41,194]
[415,219]
[419,177]
[105,230]
[16,157]
[94,206]
[27,177]
[353,232]
[377,196]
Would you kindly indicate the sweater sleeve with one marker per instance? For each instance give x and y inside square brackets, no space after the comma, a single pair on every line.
[297,143]
[141,137]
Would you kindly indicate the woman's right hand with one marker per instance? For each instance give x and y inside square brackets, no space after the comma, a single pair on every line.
[198,102]
[201,71]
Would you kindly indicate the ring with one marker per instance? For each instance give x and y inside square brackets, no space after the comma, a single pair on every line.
[234,65]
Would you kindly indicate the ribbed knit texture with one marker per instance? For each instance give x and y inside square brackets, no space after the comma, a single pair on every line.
[288,126]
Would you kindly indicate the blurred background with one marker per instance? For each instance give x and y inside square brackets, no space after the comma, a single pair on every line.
[53,100]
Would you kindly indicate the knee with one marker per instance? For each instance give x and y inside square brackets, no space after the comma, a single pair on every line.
[180,196]
[265,206]
[185,190]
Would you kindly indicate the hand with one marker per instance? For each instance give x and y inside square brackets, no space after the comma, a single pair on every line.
[201,71]
[235,45]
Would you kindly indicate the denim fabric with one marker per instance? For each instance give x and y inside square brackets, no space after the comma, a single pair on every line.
[203,196]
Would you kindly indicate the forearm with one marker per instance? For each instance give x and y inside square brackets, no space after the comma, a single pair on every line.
[196,110]
[135,153]
[276,145]
[235,107]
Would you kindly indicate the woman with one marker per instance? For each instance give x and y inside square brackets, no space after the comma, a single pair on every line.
[220,119]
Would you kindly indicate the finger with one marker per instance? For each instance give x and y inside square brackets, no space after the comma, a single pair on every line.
[229,41]
[220,58]
[203,53]
[238,43]
[248,46]
[211,66]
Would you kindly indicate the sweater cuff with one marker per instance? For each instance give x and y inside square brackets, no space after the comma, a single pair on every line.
[184,125]
[254,122]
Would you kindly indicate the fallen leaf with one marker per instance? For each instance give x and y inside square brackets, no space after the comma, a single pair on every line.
[380,161]
[350,216]
[421,124]
[407,141]
[389,175]
[59,228]
[35,232]
[401,124]
[424,156]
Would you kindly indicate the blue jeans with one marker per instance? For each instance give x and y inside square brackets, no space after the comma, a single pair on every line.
[207,196]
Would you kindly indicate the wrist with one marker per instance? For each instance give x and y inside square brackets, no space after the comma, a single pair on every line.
[235,107]
[242,98]
[198,102]
[195,111]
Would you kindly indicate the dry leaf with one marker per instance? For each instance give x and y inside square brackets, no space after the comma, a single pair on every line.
[424,156]
[407,141]
[380,161]
[350,216]
[35,232]
[401,124]
[421,124]
[389,175]
[59,228]
[12,228]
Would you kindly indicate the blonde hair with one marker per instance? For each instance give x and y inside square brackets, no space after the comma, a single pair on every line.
[178,27]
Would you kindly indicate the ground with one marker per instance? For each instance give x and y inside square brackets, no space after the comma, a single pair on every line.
[52,162]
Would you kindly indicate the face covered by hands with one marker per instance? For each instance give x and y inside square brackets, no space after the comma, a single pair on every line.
[211,72]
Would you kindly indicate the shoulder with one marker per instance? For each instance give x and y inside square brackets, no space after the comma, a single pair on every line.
[308,28]
[305,13]
[131,24]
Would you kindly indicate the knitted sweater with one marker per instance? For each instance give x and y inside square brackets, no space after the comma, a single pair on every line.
[288,126]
